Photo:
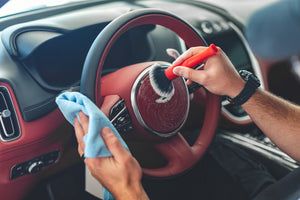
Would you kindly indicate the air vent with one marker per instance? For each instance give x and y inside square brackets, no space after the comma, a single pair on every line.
[9,126]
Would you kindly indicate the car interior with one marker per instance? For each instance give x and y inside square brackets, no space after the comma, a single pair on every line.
[103,49]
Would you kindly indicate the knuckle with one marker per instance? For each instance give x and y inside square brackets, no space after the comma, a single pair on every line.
[127,159]
[192,49]
[213,73]
[189,74]
[113,141]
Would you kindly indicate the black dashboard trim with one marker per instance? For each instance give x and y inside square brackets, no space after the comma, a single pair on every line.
[42,104]
[215,9]
[9,38]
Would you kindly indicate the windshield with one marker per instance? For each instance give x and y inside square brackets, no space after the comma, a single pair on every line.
[10,7]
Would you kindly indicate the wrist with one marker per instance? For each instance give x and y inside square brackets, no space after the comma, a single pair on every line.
[252,83]
[132,192]
[236,88]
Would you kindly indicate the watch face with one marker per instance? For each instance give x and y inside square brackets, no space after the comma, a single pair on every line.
[248,76]
[245,74]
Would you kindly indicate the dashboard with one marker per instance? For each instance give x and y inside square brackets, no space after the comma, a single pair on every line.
[43,54]
[52,50]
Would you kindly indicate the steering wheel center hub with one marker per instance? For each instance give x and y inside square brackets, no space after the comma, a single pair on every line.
[161,117]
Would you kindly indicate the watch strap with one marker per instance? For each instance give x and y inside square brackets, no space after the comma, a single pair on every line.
[252,83]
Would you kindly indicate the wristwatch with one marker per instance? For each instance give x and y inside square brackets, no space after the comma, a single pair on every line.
[252,83]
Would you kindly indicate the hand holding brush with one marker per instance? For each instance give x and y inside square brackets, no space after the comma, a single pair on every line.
[161,79]
[218,75]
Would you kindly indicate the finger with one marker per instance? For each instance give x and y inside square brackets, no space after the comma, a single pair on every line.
[79,132]
[113,144]
[78,129]
[80,150]
[183,57]
[189,82]
[84,120]
[189,53]
[173,53]
[190,74]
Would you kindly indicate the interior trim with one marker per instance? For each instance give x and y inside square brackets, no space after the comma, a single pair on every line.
[257,71]
[269,152]
[13,112]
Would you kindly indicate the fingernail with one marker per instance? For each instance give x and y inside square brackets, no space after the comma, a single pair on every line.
[178,71]
[80,113]
[106,132]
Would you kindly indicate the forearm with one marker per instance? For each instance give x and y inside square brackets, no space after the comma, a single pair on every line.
[278,119]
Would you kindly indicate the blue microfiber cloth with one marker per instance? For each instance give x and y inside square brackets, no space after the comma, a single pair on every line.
[70,103]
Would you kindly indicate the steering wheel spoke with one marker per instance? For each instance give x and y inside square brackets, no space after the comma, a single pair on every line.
[115,109]
[176,149]
[199,96]
[179,155]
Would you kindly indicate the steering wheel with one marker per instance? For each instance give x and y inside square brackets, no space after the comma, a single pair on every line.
[157,122]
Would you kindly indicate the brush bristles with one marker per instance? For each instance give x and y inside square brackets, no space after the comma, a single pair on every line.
[160,83]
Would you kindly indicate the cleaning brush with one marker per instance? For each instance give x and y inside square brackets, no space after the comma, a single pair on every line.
[161,78]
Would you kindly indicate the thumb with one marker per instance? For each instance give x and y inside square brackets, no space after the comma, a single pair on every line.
[189,73]
[113,144]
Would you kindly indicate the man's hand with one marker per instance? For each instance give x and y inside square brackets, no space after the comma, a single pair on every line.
[218,74]
[277,118]
[120,174]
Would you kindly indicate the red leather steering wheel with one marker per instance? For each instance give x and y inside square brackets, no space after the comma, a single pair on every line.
[179,154]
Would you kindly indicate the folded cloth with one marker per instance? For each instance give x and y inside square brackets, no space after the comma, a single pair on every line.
[70,103]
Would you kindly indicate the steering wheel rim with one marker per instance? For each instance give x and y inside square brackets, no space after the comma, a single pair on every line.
[179,154]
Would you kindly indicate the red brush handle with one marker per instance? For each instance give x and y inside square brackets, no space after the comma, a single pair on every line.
[193,61]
